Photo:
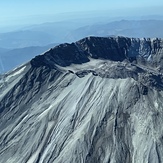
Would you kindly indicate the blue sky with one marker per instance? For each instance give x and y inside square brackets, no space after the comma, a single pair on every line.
[13,10]
[28,7]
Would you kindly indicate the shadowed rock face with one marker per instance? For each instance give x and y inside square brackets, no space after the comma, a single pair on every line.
[98,100]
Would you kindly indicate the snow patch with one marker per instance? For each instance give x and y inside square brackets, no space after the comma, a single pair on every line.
[15,73]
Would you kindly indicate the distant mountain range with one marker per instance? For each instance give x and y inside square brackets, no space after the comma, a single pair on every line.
[61,32]
[127,28]
[24,38]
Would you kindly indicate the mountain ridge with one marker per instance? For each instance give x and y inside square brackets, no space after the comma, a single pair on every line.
[115,48]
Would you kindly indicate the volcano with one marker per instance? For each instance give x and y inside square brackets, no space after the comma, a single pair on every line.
[97,100]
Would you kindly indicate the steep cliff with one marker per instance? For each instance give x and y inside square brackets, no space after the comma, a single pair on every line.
[98,100]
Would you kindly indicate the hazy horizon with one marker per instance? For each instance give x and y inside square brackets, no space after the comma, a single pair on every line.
[18,12]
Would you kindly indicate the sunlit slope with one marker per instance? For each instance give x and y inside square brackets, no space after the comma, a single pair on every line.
[78,104]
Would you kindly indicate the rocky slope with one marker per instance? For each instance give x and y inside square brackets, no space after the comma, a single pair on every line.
[98,100]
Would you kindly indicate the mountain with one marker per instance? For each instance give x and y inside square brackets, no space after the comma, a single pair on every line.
[128,28]
[39,34]
[75,29]
[24,38]
[2,50]
[11,58]
[98,100]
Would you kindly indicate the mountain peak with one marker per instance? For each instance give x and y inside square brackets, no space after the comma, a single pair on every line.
[109,48]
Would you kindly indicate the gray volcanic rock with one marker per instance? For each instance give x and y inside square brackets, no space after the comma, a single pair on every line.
[98,100]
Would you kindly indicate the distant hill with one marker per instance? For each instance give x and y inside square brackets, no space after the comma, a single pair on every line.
[3,50]
[127,28]
[19,39]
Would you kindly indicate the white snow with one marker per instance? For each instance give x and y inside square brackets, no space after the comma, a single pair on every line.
[15,73]
[10,80]
[91,65]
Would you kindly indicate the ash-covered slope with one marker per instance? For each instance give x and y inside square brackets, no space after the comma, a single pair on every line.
[98,100]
